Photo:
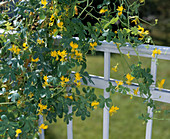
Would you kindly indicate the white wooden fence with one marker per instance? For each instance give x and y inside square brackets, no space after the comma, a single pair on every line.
[103,82]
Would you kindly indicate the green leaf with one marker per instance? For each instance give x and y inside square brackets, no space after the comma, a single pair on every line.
[77,91]
[108,89]
[112,21]
[134,30]
[13,95]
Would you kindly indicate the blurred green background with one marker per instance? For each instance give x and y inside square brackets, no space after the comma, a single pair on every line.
[125,123]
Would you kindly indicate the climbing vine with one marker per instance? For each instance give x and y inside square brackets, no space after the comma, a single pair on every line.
[43,41]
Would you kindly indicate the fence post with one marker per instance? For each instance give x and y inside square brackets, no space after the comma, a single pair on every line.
[70,125]
[40,121]
[150,110]
[106,95]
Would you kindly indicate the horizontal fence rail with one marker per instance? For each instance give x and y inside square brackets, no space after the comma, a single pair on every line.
[162,95]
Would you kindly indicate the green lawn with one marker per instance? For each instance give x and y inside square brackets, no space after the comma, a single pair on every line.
[125,123]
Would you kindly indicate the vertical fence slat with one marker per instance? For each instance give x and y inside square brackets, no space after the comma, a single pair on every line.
[40,121]
[150,110]
[106,95]
[70,125]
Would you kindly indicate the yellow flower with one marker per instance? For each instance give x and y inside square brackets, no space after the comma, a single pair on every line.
[129,78]
[66,79]
[31,13]
[52,17]
[8,27]
[146,32]
[156,21]
[54,31]
[118,83]
[113,110]
[54,54]
[31,95]
[76,10]
[60,24]
[119,13]
[103,11]
[140,28]
[25,46]
[70,97]
[93,45]
[35,60]
[41,108]
[161,83]
[40,41]
[63,54]
[78,84]
[14,49]
[51,24]
[120,9]
[136,21]
[62,78]
[18,102]
[95,104]
[115,67]
[45,78]
[155,51]
[136,91]
[77,76]
[159,52]
[115,32]
[42,126]
[128,55]
[18,131]
[44,2]
[74,46]
[78,56]
[131,96]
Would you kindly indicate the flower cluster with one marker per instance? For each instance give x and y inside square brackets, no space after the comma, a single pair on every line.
[156,51]
[115,67]
[15,49]
[95,104]
[41,108]
[42,126]
[129,78]
[77,79]
[113,110]
[142,33]
[118,84]
[120,9]
[93,45]
[64,80]
[44,2]
[45,83]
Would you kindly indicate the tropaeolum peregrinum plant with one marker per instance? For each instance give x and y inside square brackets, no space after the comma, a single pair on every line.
[36,64]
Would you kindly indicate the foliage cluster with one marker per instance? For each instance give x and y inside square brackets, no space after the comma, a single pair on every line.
[36,64]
